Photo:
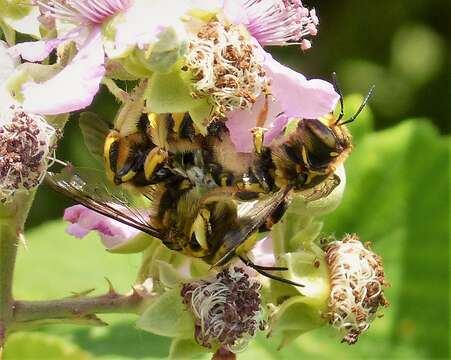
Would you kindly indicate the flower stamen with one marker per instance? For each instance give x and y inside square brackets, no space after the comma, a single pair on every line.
[357,286]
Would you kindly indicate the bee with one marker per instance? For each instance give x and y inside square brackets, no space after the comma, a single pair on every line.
[203,198]
[210,223]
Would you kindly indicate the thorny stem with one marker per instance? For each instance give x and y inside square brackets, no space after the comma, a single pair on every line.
[78,308]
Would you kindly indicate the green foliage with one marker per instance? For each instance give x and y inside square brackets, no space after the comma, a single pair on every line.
[396,197]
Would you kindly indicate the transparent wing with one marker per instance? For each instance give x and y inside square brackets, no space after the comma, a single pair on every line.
[91,189]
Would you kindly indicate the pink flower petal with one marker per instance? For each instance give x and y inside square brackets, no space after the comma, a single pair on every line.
[241,122]
[298,96]
[35,50]
[84,220]
[74,87]
[263,252]
[235,12]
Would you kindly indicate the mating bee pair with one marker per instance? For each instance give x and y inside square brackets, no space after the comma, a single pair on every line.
[202,197]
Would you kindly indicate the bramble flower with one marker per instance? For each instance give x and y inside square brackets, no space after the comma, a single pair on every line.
[277,22]
[357,286]
[81,77]
[83,220]
[227,310]
[274,22]
[26,141]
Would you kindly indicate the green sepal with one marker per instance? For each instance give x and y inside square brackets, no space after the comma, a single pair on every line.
[171,92]
[168,316]
[135,245]
[165,53]
[182,349]
[169,276]
[133,65]
[199,268]
[302,308]
[201,115]
[21,16]
[94,130]
[8,32]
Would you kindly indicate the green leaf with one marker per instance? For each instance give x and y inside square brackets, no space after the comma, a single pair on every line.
[22,346]
[166,52]
[168,316]
[94,130]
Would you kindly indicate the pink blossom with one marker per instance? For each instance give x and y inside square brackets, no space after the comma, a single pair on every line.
[72,88]
[292,96]
[84,220]
[75,86]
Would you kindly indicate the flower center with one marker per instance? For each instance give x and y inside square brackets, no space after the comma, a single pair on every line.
[225,68]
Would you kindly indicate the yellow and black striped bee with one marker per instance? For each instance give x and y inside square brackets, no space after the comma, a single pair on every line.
[204,198]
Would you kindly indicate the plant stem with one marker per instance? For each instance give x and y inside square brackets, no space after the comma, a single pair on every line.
[77,308]
[8,251]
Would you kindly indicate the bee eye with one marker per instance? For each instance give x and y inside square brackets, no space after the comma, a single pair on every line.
[319,136]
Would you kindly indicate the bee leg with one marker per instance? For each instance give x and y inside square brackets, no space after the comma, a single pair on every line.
[261,270]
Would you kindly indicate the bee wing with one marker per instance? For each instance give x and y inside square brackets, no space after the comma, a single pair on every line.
[251,216]
[323,189]
[91,189]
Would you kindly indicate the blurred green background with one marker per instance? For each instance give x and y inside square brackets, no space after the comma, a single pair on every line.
[397,196]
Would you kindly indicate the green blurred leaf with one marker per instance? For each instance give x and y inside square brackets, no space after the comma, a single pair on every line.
[418,53]
[23,346]
[182,349]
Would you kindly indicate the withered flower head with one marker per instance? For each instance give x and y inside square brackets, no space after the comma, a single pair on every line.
[25,143]
[225,67]
[227,309]
[357,286]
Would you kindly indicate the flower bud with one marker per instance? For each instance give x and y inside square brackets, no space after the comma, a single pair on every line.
[357,286]
[26,140]
[227,310]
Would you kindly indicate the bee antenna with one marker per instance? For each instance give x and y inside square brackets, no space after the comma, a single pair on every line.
[338,90]
[362,105]
[262,270]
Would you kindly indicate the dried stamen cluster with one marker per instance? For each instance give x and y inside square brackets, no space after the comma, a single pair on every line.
[227,309]
[25,142]
[357,286]
[225,68]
